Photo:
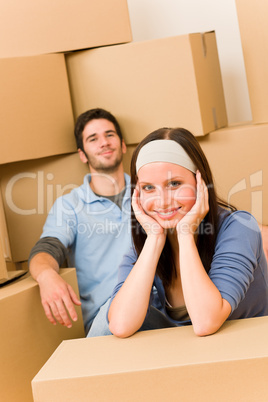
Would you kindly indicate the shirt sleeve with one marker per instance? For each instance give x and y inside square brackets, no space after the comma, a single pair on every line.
[52,246]
[61,221]
[237,252]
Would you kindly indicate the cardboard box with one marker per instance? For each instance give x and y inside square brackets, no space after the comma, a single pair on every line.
[36,118]
[174,81]
[8,272]
[169,364]
[4,238]
[252,18]
[36,27]
[27,338]
[238,159]
[29,189]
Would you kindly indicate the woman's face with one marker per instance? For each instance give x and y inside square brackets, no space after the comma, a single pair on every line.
[167,192]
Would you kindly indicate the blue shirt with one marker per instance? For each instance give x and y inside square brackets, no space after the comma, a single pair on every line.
[238,269]
[97,233]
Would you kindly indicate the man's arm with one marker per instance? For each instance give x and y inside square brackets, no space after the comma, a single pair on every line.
[57,296]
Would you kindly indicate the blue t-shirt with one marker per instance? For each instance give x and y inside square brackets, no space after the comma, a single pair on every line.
[238,269]
[97,233]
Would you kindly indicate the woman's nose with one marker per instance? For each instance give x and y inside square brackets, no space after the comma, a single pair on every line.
[163,198]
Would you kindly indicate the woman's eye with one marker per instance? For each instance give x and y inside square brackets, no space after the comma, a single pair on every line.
[174,183]
[148,187]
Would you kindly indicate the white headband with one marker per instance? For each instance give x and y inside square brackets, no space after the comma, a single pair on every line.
[164,151]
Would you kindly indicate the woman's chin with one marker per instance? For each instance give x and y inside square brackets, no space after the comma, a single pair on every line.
[169,224]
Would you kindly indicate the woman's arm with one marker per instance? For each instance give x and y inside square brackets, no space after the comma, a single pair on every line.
[205,305]
[264,233]
[129,307]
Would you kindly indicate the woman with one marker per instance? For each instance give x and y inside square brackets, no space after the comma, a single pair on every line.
[204,258]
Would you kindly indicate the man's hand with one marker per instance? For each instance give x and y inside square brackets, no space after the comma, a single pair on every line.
[58,298]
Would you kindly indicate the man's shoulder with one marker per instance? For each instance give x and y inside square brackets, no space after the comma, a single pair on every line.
[76,192]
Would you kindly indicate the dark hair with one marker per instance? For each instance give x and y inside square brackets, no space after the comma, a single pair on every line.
[208,229]
[89,115]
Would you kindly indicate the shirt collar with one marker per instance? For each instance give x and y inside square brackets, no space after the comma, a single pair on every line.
[89,196]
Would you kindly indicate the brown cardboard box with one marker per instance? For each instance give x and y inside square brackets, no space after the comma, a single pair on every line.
[36,117]
[173,81]
[29,189]
[8,271]
[238,159]
[252,18]
[35,27]
[4,238]
[27,338]
[162,365]
[3,268]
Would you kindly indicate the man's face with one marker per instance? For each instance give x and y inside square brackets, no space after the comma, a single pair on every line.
[102,146]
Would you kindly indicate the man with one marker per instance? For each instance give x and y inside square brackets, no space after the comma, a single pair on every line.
[90,225]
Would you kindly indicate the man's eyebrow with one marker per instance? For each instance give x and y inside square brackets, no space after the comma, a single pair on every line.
[90,136]
[95,134]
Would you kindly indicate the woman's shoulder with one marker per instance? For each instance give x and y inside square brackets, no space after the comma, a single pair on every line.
[239,229]
[241,219]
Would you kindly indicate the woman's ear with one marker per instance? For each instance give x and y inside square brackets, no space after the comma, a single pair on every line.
[82,156]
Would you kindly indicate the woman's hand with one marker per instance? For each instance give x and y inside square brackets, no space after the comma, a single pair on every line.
[190,222]
[150,225]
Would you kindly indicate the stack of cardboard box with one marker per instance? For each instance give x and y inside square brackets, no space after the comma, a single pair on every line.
[37,122]
[38,162]
[238,154]
[139,82]
[57,60]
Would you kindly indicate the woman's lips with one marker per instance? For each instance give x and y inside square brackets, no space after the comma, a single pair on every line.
[167,214]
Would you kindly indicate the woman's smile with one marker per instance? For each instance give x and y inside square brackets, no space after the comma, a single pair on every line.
[168,214]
